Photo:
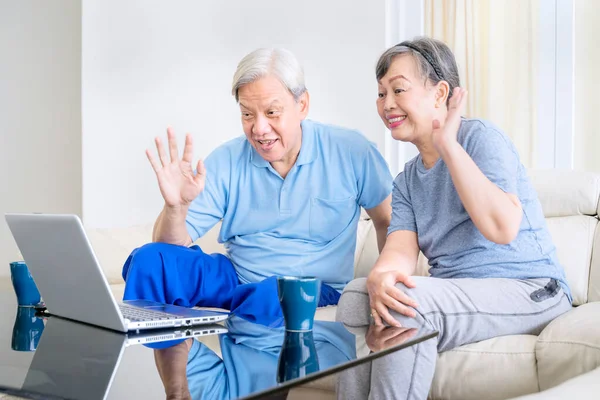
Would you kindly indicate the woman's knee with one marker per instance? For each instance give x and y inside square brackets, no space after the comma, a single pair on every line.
[353,308]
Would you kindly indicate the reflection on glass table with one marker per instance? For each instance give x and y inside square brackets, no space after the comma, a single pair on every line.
[27,330]
[79,361]
[257,360]
[249,360]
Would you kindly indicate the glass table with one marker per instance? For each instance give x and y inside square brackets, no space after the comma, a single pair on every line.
[50,357]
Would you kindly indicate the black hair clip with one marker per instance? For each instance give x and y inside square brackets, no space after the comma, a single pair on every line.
[429,59]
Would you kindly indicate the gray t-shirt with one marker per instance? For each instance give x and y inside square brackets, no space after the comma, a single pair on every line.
[425,201]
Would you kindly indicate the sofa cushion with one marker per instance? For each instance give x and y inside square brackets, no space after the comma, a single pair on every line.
[583,387]
[569,346]
[573,237]
[566,192]
[497,368]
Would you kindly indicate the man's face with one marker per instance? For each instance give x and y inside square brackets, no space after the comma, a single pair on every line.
[271,119]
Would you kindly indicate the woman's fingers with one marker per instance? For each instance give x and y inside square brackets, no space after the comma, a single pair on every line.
[406,280]
[393,304]
[384,314]
[458,100]
[375,315]
[402,297]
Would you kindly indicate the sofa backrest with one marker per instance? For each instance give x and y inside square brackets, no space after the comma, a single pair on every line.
[570,203]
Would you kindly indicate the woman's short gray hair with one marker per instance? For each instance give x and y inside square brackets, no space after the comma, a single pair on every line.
[262,62]
[435,61]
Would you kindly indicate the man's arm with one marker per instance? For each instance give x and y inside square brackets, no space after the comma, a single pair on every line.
[170,226]
[381,216]
[172,364]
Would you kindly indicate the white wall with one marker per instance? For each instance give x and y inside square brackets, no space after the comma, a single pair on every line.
[149,64]
[587,87]
[40,114]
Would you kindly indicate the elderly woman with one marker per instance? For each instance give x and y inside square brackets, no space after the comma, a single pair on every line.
[466,202]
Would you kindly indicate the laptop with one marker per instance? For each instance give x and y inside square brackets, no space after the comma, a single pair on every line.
[79,361]
[72,283]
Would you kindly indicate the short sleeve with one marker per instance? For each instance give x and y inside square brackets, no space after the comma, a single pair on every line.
[403,216]
[210,206]
[495,155]
[374,179]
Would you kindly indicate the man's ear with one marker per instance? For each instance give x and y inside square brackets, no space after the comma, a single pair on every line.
[442,91]
[303,103]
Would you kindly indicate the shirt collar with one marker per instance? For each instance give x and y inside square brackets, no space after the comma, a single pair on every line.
[308,150]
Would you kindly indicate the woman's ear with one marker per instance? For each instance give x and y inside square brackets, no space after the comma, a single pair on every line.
[442,91]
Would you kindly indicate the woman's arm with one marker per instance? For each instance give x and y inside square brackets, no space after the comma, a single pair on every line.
[495,213]
[396,263]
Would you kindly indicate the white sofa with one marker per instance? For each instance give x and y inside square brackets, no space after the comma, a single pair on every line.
[499,368]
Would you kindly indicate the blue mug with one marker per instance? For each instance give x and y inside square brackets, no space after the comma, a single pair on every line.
[298,356]
[25,288]
[27,330]
[299,297]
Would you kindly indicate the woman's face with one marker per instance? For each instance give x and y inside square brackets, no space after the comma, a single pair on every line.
[405,103]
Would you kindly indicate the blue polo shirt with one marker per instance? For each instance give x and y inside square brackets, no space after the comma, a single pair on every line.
[303,225]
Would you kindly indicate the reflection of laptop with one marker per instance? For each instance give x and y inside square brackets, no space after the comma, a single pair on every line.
[70,279]
[77,361]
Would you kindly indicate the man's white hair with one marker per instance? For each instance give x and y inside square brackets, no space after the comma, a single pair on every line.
[280,63]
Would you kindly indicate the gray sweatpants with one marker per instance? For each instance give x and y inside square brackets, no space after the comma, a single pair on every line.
[462,310]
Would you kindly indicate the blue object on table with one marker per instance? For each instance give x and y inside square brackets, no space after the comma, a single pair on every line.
[25,288]
[27,330]
[298,297]
[298,356]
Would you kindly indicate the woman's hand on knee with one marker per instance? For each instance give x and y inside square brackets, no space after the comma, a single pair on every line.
[385,296]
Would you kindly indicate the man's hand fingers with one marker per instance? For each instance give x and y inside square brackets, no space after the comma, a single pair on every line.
[161,152]
[173,153]
[153,161]
[188,150]
[200,172]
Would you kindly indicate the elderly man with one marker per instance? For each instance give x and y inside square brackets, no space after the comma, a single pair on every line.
[288,194]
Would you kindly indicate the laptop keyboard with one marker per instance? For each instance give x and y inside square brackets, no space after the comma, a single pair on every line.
[140,314]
